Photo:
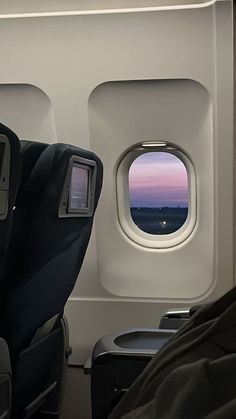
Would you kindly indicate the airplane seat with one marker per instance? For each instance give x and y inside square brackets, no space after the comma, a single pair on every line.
[53,220]
[10,174]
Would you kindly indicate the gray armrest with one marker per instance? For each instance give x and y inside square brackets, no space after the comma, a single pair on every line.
[5,363]
[136,342]
[5,381]
[174,319]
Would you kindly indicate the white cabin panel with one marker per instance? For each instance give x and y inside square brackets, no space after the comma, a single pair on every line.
[180,112]
[174,62]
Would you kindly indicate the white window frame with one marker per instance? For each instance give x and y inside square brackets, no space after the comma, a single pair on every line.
[130,229]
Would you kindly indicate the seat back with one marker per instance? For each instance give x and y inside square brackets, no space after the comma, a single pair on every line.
[30,153]
[10,174]
[54,217]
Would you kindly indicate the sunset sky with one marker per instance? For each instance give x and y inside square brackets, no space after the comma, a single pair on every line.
[158,179]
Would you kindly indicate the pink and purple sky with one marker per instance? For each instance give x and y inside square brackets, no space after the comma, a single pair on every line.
[158,179]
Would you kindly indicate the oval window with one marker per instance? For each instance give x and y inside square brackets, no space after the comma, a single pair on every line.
[158,192]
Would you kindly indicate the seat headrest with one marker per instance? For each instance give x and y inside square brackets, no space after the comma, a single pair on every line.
[54,171]
[47,230]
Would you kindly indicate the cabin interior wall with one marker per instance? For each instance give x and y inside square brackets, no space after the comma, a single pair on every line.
[66,58]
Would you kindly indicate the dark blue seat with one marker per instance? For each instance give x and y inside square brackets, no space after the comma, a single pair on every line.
[10,175]
[52,226]
[29,151]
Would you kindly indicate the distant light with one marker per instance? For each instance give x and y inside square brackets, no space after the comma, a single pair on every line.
[154,144]
[163,224]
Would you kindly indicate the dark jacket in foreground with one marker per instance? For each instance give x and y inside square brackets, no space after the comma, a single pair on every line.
[194,375]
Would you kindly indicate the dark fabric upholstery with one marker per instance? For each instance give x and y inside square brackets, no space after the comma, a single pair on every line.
[30,153]
[203,389]
[50,250]
[14,180]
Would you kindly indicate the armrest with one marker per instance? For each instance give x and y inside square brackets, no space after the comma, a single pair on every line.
[117,361]
[5,363]
[175,318]
[5,381]
[131,342]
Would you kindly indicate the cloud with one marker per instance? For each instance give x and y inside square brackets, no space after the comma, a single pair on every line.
[158,179]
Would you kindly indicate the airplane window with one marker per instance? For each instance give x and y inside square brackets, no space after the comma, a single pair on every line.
[158,192]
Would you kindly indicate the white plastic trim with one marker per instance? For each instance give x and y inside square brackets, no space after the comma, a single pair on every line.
[107,11]
[127,224]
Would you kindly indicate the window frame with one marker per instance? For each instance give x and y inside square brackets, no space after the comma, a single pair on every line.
[128,226]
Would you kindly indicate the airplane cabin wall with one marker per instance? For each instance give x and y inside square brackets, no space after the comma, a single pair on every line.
[107,80]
